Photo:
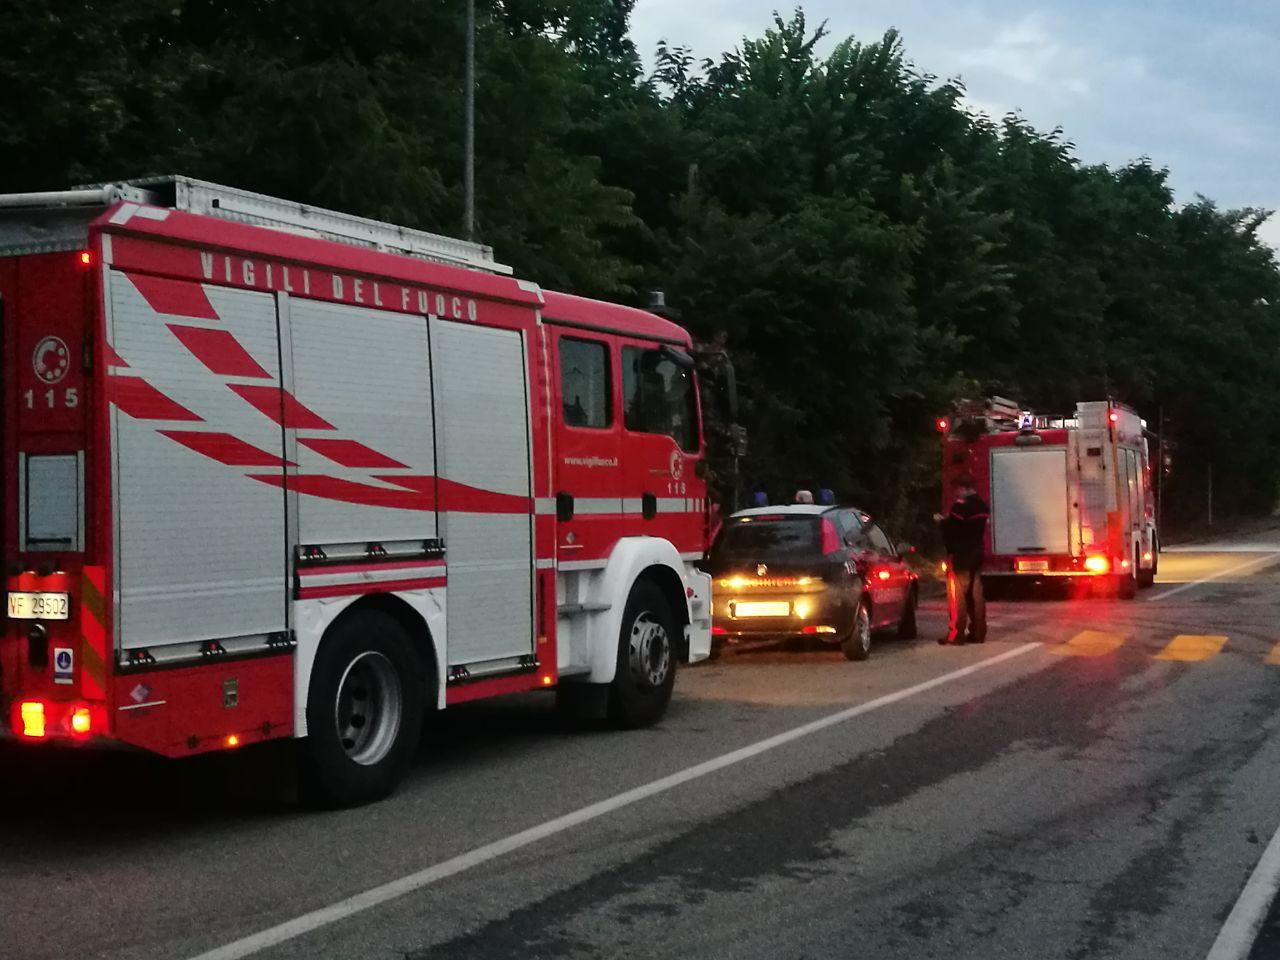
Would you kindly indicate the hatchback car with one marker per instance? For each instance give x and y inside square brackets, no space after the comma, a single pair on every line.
[806,570]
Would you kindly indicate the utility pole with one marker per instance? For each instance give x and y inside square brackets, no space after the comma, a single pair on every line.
[1211,493]
[1160,479]
[469,130]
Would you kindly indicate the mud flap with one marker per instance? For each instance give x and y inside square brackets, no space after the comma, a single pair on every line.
[698,632]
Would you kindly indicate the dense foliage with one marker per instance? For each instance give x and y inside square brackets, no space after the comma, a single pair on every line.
[865,246]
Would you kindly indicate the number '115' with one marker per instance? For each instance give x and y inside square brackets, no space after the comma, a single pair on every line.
[70,398]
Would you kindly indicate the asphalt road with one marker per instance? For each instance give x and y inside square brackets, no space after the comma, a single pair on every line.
[1100,784]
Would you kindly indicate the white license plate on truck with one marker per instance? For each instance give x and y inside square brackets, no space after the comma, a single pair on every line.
[1033,566]
[39,606]
[763,608]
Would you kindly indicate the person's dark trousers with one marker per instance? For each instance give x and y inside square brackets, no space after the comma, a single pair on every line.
[966,606]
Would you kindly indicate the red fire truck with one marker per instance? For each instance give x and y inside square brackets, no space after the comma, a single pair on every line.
[274,471]
[1070,496]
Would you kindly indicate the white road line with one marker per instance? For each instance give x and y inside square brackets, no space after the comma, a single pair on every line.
[1259,561]
[1236,937]
[376,896]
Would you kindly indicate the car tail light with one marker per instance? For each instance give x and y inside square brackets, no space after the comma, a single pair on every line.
[719,631]
[1097,564]
[816,628]
[830,542]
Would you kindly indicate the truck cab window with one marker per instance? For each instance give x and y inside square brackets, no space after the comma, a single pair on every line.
[658,396]
[584,383]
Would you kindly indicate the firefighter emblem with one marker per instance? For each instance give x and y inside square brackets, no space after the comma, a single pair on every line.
[677,464]
[51,359]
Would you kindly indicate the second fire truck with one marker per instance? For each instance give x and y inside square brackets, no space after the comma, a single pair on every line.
[1071,496]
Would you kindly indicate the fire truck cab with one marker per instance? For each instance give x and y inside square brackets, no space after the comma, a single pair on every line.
[275,471]
[1070,496]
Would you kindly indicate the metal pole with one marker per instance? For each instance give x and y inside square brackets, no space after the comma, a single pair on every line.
[1160,479]
[469,131]
[1211,494]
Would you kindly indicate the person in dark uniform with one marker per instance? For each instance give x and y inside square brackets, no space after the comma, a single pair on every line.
[964,531]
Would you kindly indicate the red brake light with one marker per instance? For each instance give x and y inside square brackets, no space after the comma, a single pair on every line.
[1113,417]
[1097,564]
[883,574]
[86,258]
[942,423]
[81,721]
[830,542]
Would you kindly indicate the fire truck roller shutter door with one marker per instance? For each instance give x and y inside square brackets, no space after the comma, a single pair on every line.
[367,373]
[482,425]
[1029,503]
[200,547]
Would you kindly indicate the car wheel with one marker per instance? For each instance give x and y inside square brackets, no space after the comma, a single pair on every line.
[364,711]
[857,644]
[907,629]
[646,668]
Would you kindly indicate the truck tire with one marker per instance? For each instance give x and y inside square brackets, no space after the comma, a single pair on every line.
[857,643]
[364,711]
[1126,585]
[646,668]
[1147,578]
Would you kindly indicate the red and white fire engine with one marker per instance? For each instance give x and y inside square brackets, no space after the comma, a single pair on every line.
[274,471]
[1070,496]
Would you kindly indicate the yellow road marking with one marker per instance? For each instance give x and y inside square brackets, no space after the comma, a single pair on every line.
[1274,656]
[1188,648]
[1089,643]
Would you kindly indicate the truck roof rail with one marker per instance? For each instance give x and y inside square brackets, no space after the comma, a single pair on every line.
[243,206]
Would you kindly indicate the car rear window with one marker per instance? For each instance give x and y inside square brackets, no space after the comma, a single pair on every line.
[764,538]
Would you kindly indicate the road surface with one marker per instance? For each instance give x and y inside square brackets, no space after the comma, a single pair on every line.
[1098,780]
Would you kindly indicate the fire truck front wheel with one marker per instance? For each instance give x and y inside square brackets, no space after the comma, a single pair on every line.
[364,711]
[646,670]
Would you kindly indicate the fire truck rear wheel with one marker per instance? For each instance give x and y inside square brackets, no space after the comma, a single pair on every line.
[646,669]
[364,711]
[1126,585]
[1147,578]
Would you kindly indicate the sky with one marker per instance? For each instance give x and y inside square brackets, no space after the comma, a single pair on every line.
[1192,84]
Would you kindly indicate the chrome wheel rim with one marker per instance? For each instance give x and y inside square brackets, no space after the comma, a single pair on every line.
[650,651]
[368,708]
[863,629]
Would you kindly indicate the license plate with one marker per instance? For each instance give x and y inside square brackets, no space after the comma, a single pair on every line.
[1033,566]
[39,606]
[763,608]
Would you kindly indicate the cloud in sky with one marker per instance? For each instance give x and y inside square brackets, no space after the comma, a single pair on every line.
[1192,85]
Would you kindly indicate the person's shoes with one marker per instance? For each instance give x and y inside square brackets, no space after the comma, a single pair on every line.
[973,638]
[949,642]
